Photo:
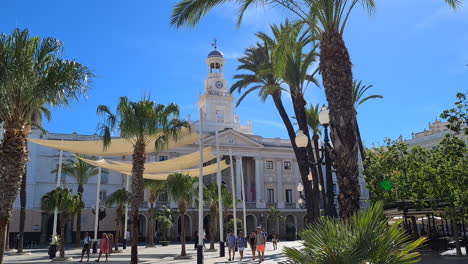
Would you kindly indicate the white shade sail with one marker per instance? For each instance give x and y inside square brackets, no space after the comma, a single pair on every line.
[118,146]
[181,163]
[207,170]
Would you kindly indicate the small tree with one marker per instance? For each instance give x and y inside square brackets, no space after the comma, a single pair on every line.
[165,221]
[120,198]
[154,187]
[276,216]
[67,204]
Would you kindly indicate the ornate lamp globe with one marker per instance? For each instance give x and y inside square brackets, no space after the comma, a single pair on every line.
[300,201]
[301,139]
[300,188]
[324,117]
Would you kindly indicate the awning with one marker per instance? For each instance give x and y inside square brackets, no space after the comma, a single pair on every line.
[207,170]
[118,146]
[180,163]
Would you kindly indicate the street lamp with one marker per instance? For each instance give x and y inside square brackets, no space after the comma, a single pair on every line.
[300,189]
[101,215]
[324,120]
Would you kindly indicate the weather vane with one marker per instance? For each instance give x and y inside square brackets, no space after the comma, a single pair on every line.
[215,44]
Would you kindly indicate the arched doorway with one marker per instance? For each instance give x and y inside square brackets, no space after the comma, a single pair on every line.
[142,227]
[187,225]
[251,223]
[290,227]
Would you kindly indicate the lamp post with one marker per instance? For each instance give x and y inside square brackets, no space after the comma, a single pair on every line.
[324,120]
[101,215]
[300,189]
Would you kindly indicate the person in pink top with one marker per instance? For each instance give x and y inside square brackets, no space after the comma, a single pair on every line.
[104,247]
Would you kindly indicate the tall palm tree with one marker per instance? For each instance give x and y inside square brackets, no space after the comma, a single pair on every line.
[210,197]
[140,122]
[67,203]
[32,75]
[120,198]
[328,18]
[81,171]
[355,241]
[258,61]
[183,188]
[358,92]
[154,188]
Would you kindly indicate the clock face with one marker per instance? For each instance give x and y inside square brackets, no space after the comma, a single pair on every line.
[219,84]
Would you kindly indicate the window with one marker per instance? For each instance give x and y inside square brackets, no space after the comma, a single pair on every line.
[269,164]
[287,165]
[102,196]
[289,196]
[271,195]
[104,178]
[220,116]
[163,158]
[162,197]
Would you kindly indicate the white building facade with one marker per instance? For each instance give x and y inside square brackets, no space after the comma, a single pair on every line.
[269,167]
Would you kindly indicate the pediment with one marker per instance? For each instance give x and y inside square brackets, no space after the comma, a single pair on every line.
[233,138]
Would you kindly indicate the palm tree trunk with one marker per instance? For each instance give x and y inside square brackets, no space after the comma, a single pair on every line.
[212,227]
[336,69]
[117,232]
[361,146]
[315,137]
[182,235]
[151,225]
[301,116]
[78,219]
[300,154]
[138,167]
[13,159]
[62,236]
[22,212]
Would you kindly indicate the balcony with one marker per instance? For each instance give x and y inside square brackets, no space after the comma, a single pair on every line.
[269,205]
[250,205]
[160,204]
[290,206]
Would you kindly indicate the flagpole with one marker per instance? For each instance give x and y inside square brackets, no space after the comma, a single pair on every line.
[220,201]
[96,215]
[200,196]
[233,192]
[126,215]
[59,178]
[243,197]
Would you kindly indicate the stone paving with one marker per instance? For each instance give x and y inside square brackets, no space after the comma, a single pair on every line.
[161,254]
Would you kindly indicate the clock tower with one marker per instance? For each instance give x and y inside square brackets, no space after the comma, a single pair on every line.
[216,103]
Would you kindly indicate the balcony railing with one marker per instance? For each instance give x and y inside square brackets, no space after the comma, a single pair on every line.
[290,206]
[160,204]
[269,205]
[250,205]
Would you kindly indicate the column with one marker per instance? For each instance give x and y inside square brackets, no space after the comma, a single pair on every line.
[238,177]
[259,183]
[279,178]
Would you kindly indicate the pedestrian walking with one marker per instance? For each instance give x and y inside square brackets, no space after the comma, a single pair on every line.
[260,241]
[111,242]
[252,243]
[274,239]
[86,246]
[104,247]
[241,244]
[231,242]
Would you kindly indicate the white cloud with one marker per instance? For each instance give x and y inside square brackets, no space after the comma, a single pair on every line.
[441,15]
[269,123]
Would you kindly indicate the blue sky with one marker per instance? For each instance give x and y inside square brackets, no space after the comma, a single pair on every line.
[414,53]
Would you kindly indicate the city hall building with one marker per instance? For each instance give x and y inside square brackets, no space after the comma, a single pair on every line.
[269,167]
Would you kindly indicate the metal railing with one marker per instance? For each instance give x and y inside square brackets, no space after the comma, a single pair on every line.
[290,206]
[269,205]
[250,205]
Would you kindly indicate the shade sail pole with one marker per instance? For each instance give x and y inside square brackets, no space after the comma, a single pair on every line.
[200,196]
[59,178]
[243,198]
[233,192]
[127,186]
[220,203]
[96,215]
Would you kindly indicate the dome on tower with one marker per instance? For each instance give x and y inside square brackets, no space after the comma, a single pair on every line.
[216,53]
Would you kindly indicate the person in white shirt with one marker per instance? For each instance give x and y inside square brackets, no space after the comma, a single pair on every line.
[86,246]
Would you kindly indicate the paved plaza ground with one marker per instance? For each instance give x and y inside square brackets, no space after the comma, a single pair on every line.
[161,254]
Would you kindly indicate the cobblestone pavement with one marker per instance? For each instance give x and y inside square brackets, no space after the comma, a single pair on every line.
[161,254]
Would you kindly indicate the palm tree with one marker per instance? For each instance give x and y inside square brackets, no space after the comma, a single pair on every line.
[183,188]
[140,123]
[358,92]
[32,75]
[67,204]
[355,241]
[210,197]
[120,198]
[276,216]
[327,18]
[165,221]
[154,187]
[81,171]
[258,61]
